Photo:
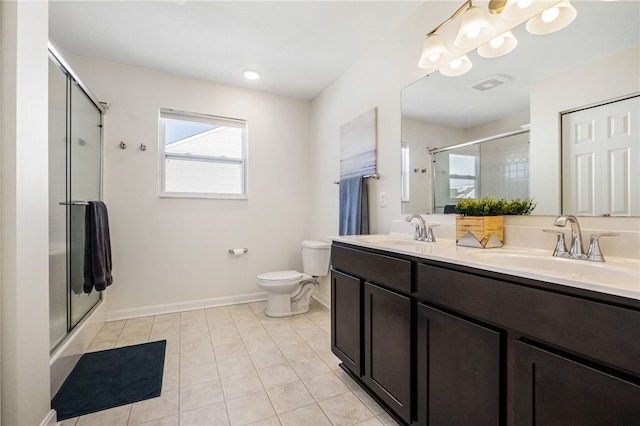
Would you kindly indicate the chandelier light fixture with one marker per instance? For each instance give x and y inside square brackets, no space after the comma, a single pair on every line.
[476,31]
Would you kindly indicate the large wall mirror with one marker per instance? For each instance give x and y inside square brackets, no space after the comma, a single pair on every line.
[526,92]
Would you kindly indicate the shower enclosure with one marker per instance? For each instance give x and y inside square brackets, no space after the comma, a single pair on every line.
[75,171]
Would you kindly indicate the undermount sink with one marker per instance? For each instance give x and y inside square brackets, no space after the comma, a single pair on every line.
[616,273]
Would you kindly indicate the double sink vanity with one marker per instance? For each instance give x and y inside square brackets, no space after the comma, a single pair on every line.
[446,335]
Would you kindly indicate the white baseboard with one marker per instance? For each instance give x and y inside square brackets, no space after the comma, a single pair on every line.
[51,419]
[169,308]
[323,300]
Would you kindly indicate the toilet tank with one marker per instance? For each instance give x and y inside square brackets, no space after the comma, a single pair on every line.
[316,256]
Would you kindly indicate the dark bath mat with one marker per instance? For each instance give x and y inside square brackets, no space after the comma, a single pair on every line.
[110,378]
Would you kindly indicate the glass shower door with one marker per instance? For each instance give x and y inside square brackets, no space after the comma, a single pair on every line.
[84,177]
[57,212]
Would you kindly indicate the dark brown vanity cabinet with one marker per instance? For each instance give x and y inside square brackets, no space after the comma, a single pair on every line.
[371,330]
[564,359]
[444,344]
[458,371]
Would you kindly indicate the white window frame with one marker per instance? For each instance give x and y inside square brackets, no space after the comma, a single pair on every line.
[209,119]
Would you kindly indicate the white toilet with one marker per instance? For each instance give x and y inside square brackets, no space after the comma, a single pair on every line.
[289,292]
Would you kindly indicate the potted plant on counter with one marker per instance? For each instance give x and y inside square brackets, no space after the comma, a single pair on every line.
[480,222]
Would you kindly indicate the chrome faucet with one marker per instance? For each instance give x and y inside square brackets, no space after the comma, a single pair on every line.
[576,251]
[420,230]
[423,231]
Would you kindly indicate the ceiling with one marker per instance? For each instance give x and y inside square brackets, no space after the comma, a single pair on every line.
[299,47]
[449,101]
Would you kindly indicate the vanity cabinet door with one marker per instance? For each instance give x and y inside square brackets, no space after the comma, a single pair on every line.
[387,343]
[458,371]
[346,320]
[551,390]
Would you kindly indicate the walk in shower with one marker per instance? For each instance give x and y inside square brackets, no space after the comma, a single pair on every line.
[75,177]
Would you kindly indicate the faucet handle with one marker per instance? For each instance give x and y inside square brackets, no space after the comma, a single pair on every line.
[417,234]
[594,253]
[561,246]
[429,237]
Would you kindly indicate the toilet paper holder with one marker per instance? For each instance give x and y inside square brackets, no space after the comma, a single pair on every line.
[238,251]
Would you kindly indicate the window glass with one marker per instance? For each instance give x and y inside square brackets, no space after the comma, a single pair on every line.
[462,176]
[202,156]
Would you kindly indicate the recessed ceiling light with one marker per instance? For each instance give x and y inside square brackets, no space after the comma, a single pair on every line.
[251,75]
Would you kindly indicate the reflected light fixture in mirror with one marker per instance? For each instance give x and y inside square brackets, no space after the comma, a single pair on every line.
[498,46]
[475,30]
[456,67]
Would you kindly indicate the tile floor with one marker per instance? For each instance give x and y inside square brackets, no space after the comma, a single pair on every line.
[233,365]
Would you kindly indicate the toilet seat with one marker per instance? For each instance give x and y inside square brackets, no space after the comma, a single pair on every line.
[280,278]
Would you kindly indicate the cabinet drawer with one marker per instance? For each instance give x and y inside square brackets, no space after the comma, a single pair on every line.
[376,268]
[592,329]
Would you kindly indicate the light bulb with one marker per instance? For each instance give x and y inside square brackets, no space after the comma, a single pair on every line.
[497,42]
[455,64]
[523,4]
[551,14]
[473,33]
[434,58]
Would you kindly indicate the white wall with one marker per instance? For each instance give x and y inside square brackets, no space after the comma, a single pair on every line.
[25,275]
[564,92]
[171,253]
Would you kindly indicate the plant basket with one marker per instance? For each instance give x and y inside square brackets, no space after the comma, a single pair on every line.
[480,231]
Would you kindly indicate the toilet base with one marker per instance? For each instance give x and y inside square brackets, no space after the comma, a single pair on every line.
[284,305]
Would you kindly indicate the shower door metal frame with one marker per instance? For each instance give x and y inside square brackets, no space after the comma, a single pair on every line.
[73,78]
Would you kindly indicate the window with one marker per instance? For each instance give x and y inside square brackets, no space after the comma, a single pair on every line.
[462,176]
[404,173]
[202,156]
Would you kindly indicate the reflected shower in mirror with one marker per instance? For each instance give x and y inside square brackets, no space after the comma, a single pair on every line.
[496,167]
[595,59]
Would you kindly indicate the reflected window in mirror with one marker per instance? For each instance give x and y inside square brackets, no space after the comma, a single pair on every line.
[462,175]
[405,173]
[494,167]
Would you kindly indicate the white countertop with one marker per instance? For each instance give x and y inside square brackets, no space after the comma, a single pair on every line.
[616,276]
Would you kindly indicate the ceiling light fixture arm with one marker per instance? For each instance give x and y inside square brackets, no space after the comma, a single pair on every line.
[467,4]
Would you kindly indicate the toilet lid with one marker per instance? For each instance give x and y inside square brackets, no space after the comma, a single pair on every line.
[280,276]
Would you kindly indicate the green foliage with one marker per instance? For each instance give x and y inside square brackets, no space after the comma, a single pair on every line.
[488,206]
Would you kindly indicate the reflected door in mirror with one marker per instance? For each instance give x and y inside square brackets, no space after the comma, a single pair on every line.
[600,157]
